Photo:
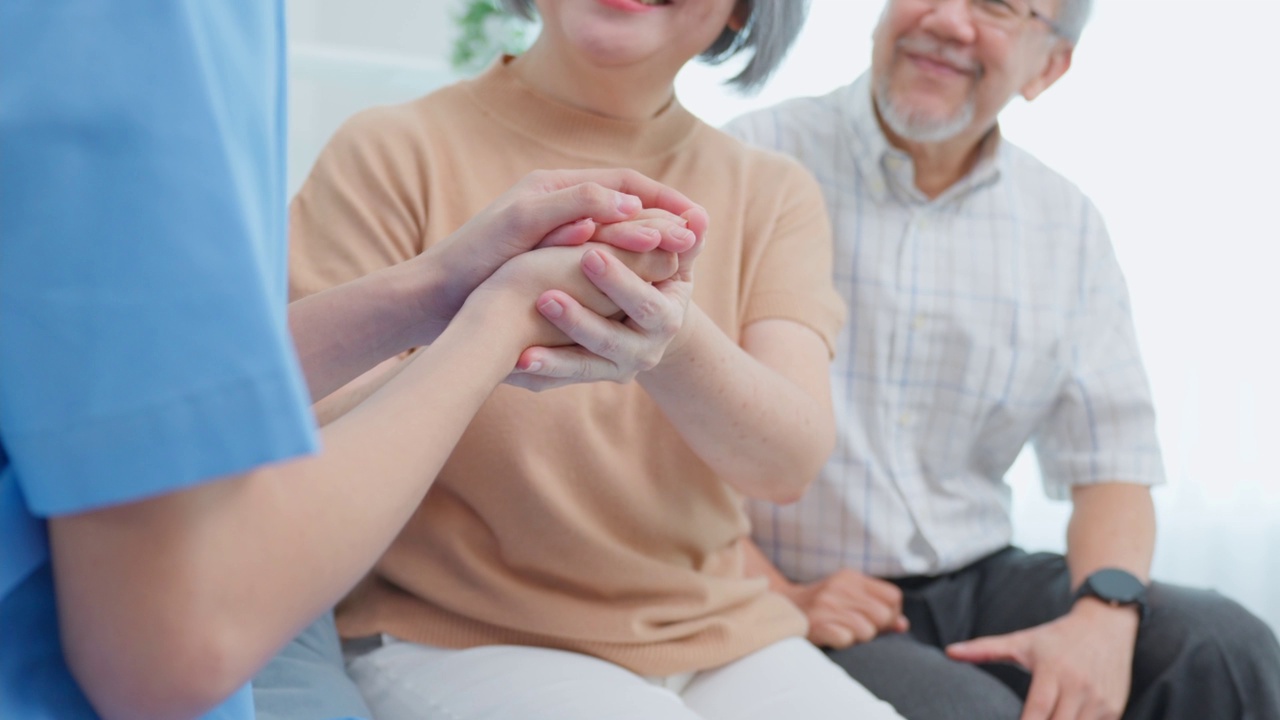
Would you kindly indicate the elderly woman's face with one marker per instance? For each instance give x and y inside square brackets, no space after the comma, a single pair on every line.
[664,34]
[944,67]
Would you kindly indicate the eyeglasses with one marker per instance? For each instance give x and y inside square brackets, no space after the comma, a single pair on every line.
[1009,14]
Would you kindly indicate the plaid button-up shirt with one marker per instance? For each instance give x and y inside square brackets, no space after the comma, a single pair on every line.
[991,316]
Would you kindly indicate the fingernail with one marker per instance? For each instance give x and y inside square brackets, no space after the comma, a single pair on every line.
[551,309]
[533,367]
[593,263]
[683,235]
[629,204]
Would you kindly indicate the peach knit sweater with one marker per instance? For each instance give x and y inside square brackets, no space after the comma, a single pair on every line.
[576,518]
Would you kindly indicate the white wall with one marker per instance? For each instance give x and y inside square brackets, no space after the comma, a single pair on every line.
[345,56]
[1166,120]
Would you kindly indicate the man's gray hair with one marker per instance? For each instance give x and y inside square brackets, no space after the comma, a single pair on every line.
[771,28]
[1072,16]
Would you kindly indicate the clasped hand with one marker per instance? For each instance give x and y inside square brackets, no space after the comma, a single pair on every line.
[848,607]
[604,313]
[602,259]
[631,333]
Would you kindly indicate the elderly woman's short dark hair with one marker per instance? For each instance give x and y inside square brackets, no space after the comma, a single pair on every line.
[770,30]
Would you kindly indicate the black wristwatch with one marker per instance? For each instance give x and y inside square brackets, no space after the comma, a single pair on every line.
[1115,587]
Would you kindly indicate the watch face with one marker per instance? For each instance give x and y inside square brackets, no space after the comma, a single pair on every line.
[1116,586]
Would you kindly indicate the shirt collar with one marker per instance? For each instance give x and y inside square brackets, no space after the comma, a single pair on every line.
[888,171]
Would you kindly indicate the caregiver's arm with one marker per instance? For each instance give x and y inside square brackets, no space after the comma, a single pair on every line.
[169,604]
[656,267]
[342,332]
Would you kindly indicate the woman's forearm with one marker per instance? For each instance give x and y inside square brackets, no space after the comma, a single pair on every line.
[760,414]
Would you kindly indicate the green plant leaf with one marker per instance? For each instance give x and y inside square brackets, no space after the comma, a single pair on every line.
[484,31]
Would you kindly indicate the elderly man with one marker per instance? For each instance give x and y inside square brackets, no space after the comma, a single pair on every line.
[988,310]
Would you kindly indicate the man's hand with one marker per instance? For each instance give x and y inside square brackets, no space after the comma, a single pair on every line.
[848,607]
[1080,664]
[556,208]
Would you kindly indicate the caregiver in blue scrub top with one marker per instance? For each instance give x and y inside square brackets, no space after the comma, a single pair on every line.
[165,526]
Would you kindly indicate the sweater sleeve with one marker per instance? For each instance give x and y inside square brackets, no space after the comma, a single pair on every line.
[363,206]
[790,269]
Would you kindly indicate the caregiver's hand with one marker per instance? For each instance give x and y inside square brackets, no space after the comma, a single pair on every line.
[552,208]
[654,226]
[513,292]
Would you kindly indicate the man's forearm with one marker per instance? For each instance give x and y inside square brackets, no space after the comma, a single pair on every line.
[1112,525]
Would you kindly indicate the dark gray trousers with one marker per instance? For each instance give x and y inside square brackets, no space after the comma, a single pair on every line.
[1199,655]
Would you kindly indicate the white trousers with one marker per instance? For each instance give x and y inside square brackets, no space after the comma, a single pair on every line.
[789,680]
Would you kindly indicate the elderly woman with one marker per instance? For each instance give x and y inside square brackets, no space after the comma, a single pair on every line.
[578,556]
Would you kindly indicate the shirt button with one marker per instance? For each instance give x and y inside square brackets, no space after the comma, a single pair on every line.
[905,419]
[918,322]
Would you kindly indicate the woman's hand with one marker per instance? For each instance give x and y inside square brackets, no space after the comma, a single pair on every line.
[515,290]
[610,348]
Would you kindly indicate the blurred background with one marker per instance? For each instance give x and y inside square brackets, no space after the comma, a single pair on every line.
[1167,120]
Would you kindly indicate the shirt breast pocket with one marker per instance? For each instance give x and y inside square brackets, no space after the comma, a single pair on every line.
[989,400]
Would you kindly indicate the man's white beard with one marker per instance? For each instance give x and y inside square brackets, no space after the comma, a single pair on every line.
[919,127]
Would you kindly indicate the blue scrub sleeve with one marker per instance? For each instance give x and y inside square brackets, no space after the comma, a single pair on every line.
[143,337]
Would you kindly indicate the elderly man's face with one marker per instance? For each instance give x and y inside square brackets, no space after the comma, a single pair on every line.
[943,69]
